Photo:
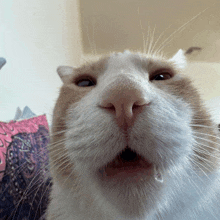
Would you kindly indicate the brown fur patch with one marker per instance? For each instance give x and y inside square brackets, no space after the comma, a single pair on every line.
[206,154]
[61,165]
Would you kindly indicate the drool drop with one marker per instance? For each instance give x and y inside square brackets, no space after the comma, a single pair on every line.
[158,175]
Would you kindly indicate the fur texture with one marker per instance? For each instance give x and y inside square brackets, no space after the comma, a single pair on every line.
[163,121]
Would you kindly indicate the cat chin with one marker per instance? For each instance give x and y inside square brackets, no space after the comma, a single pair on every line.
[141,195]
[132,198]
[129,195]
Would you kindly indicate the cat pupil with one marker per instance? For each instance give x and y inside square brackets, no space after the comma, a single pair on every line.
[159,77]
[85,82]
[162,76]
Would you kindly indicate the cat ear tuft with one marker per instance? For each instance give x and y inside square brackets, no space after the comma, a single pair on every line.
[65,73]
[179,59]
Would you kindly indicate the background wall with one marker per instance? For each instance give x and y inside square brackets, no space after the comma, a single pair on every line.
[206,78]
[121,24]
[37,36]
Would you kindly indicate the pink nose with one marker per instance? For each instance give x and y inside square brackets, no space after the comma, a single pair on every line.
[125,99]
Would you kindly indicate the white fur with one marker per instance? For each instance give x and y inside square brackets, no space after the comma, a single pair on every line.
[180,59]
[164,137]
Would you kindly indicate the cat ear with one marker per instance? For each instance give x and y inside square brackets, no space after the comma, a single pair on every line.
[179,59]
[65,73]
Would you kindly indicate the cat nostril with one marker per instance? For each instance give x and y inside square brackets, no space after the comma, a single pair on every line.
[110,106]
[135,106]
[128,107]
[140,104]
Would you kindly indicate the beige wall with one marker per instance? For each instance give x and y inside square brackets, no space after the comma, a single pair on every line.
[122,24]
[206,78]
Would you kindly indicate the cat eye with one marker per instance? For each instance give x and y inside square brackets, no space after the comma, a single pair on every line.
[161,75]
[85,82]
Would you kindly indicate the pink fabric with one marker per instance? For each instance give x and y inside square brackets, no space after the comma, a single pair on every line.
[7,130]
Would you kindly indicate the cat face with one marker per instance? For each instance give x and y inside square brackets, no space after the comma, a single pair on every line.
[122,130]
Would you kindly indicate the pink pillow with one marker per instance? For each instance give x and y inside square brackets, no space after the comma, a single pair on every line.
[24,169]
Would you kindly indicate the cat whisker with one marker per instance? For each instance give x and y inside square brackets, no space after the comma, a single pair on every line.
[46,190]
[200,151]
[25,193]
[72,172]
[57,133]
[181,28]
[148,37]
[197,187]
[155,44]
[15,172]
[93,35]
[207,147]
[202,133]
[90,42]
[34,196]
[143,36]
[151,41]
[58,164]
[198,165]
[200,119]
[53,148]
[201,125]
[207,140]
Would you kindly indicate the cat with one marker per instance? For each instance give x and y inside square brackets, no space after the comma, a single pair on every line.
[131,140]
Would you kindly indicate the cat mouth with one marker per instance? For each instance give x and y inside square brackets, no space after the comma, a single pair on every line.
[127,163]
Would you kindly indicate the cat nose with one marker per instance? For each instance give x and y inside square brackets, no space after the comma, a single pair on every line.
[125,99]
